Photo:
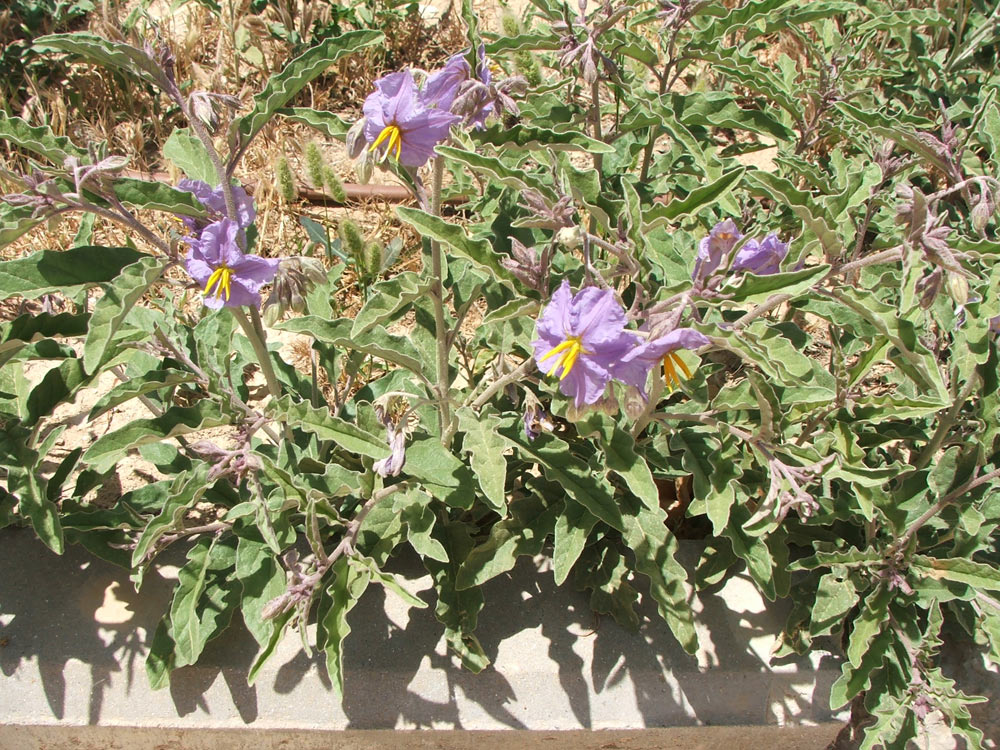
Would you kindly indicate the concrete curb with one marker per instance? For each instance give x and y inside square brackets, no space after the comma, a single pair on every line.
[74,630]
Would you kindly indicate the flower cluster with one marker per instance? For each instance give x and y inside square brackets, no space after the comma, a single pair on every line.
[228,276]
[582,339]
[757,257]
[405,122]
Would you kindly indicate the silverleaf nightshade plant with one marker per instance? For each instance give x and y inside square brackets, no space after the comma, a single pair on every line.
[838,442]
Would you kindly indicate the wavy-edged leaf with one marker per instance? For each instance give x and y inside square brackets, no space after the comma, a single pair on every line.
[455,238]
[66,271]
[815,219]
[326,426]
[329,124]
[156,196]
[111,309]
[693,201]
[296,75]
[107,54]
[204,601]
[375,341]
[576,478]
[109,449]
[486,454]
[497,170]
[976,574]
[756,289]
[189,154]
[527,138]
[39,140]
[16,221]
[148,382]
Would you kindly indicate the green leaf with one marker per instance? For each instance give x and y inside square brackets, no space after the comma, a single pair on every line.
[386,298]
[388,581]
[869,623]
[523,532]
[189,154]
[455,239]
[59,384]
[975,574]
[327,123]
[720,109]
[106,54]
[835,596]
[693,201]
[65,272]
[262,579]
[485,448]
[326,426]
[156,196]
[16,221]
[494,168]
[375,341]
[576,478]
[39,140]
[111,309]
[349,582]
[296,75]
[184,491]
[527,138]
[203,604]
[757,289]
[802,204]
[440,472]
[415,511]
[572,527]
[110,448]
[148,382]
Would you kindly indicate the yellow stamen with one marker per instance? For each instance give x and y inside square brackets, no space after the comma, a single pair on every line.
[671,361]
[395,138]
[221,280]
[569,351]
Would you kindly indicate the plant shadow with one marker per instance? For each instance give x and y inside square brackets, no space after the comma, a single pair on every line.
[397,671]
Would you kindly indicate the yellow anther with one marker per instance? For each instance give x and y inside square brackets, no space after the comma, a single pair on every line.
[671,361]
[569,351]
[221,279]
[395,138]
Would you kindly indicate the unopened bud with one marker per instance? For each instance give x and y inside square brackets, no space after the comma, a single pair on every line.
[570,238]
[958,288]
[355,140]
[981,214]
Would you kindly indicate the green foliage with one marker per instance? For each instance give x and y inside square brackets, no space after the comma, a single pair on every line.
[838,436]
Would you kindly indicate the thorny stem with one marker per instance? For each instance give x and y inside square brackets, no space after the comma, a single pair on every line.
[127,219]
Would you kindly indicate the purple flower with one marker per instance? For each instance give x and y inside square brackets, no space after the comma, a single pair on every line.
[442,87]
[634,367]
[215,202]
[712,250]
[395,116]
[761,258]
[455,88]
[581,337]
[229,278]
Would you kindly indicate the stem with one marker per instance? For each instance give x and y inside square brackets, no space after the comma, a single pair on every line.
[254,332]
[220,171]
[502,382]
[595,93]
[442,333]
[944,426]
[941,505]
[181,356]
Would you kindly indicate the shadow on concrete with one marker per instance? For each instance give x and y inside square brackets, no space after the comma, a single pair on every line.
[60,612]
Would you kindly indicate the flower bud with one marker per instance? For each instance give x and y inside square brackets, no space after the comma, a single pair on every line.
[570,238]
[958,288]
[981,214]
[355,140]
